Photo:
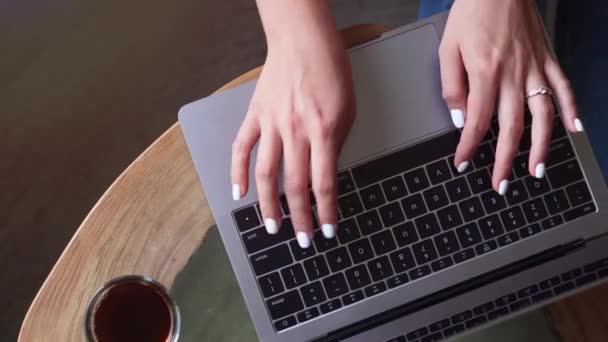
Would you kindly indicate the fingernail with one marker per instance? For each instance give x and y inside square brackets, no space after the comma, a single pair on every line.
[462,167]
[578,124]
[303,239]
[272,227]
[328,230]
[539,171]
[457,117]
[236,192]
[503,187]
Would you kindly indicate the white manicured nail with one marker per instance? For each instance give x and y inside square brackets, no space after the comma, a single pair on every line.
[539,171]
[457,117]
[578,124]
[303,239]
[328,230]
[236,192]
[503,187]
[462,167]
[272,227]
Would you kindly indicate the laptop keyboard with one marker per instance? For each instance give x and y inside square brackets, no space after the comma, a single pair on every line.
[406,215]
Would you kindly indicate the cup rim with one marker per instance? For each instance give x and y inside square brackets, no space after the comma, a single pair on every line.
[134,278]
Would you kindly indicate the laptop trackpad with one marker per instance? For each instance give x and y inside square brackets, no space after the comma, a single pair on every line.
[398,91]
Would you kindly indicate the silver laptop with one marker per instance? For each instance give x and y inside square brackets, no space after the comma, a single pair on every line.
[423,253]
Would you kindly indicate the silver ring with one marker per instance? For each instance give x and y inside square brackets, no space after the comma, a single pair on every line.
[542,90]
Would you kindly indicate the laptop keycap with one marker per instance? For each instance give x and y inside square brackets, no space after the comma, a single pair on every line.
[513,218]
[345,183]
[405,234]
[380,268]
[413,206]
[493,201]
[403,260]
[427,225]
[374,289]
[348,231]
[449,217]
[293,276]
[322,244]
[369,222]
[484,156]
[383,242]
[391,214]
[457,189]
[424,251]
[435,197]
[300,253]
[479,181]
[358,277]
[338,259]
[578,193]
[316,267]
[361,250]
[516,193]
[556,202]
[271,259]
[416,180]
[246,218]
[564,174]
[284,304]
[350,205]
[468,235]
[394,188]
[446,243]
[335,285]
[313,293]
[438,171]
[490,227]
[271,284]
[471,209]
[537,187]
[372,197]
[534,210]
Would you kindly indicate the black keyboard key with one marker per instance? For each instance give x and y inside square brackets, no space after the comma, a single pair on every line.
[380,268]
[372,196]
[439,325]
[472,323]
[493,201]
[316,267]
[348,231]
[541,296]
[442,263]
[468,235]
[565,287]
[537,187]
[271,259]
[558,128]
[424,251]
[383,242]
[435,197]
[556,202]
[438,171]
[513,218]
[498,313]
[397,280]
[579,211]
[586,279]
[552,222]
[391,214]
[403,260]
[471,209]
[446,243]
[461,317]
[300,253]
[530,230]
[480,181]
[338,259]
[285,323]
[418,333]
[508,238]
[322,244]
[271,284]
[350,205]
[516,193]
[520,165]
[394,188]
[449,217]
[506,299]
[353,297]
[284,204]
[416,180]
[432,337]
[578,193]
[313,293]
[330,306]
[527,291]
[457,189]
[307,315]
[285,304]
[490,227]
[405,159]
[594,266]
[427,226]
[361,251]
[257,239]
[358,277]
[405,234]
[420,272]
[560,151]
[572,274]
[564,174]
[246,218]
[484,156]
[369,222]
[483,308]
[549,283]
[485,247]
[603,273]
[373,290]
[397,339]
[453,330]
[345,183]
[520,304]
[413,206]
[335,285]
[534,210]
[526,140]
[464,255]
[293,276]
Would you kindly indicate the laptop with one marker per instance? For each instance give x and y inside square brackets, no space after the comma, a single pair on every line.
[423,253]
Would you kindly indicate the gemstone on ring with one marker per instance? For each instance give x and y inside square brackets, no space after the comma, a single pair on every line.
[542,90]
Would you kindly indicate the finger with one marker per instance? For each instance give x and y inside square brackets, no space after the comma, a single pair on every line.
[323,168]
[453,82]
[296,168]
[510,123]
[246,138]
[480,106]
[542,110]
[562,89]
[266,171]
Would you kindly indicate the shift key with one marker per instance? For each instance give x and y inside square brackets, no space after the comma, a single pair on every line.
[271,259]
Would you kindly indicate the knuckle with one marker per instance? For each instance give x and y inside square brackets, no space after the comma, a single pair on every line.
[295,185]
[479,124]
[513,128]
[452,94]
[325,187]
[238,147]
[264,173]
[486,66]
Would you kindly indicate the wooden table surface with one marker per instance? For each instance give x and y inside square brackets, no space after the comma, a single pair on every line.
[153,218]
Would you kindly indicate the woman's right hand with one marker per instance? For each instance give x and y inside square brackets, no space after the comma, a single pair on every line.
[301,110]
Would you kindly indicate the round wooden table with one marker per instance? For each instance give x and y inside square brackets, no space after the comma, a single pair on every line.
[154,218]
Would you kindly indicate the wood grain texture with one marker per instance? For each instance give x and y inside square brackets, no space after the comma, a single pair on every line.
[149,222]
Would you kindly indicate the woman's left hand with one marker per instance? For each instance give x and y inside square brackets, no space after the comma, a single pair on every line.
[492,54]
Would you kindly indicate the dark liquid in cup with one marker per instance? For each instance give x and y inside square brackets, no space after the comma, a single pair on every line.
[132,312]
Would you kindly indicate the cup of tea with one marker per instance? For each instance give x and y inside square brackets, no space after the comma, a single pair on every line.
[132,308]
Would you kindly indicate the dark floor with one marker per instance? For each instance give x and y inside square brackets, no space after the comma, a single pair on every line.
[87,86]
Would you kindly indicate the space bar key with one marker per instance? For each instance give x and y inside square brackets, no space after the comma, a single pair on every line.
[406,159]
